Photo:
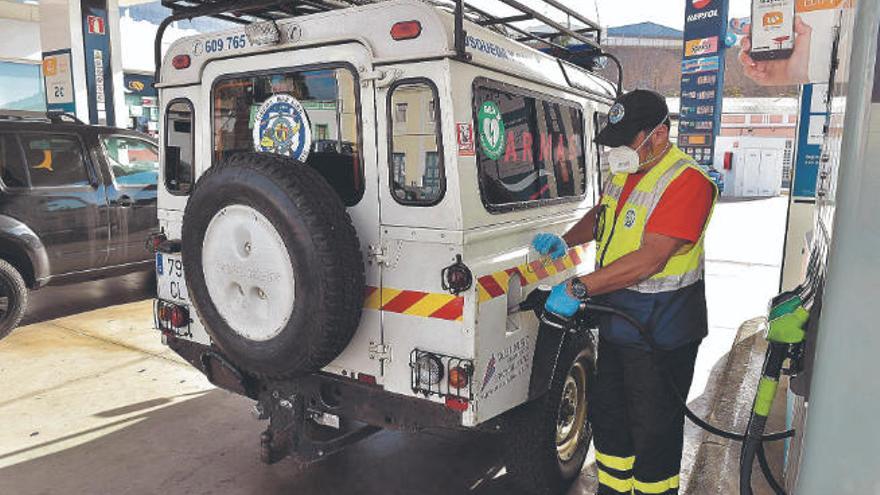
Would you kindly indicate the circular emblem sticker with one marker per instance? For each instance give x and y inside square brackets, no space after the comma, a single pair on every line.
[281,126]
[630,219]
[616,113]
[491,128]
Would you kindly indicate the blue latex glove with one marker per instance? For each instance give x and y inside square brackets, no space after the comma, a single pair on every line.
[551,244]
[561,303]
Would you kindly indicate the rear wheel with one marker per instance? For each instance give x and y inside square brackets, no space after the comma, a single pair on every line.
[13,298]
[547,439]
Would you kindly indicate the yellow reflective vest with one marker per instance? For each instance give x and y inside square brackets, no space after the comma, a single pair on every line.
[618,235]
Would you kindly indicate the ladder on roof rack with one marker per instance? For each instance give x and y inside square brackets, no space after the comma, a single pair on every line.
[550,39]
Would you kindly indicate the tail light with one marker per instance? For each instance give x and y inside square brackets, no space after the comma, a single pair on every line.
[171,319]
[155,241]
[457,277]
[181,62]
[459,377]
[179,317]
[163,312]
[429,370]
[406,30]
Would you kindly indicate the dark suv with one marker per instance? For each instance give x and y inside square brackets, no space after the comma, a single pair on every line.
[76,202]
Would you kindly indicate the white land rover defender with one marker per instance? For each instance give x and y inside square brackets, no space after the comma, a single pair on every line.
[347,200]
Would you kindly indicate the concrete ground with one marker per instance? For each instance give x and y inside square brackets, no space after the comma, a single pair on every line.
[92,403]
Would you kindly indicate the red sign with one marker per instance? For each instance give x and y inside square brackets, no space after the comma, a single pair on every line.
[465,133]
[96,24]
[699,4]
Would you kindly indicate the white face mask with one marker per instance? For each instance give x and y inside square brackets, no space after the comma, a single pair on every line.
[625,160]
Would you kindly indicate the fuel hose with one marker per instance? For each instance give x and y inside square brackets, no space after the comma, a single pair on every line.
[753,439]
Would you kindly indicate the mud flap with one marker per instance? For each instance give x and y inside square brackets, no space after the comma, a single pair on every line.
[547,347]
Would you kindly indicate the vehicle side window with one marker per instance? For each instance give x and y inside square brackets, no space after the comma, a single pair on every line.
[416,161]
[530,147]
[133,161]
[55,160]
[310,115]
[12,171]
[179,147]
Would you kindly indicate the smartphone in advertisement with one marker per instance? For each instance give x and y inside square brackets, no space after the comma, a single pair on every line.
[772,31]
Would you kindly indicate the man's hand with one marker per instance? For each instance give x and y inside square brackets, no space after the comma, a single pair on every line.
[561,302]
[551,244]
[785,72]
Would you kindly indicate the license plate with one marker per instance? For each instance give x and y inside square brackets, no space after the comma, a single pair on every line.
[170,282]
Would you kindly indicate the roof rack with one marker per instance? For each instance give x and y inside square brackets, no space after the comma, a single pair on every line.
[551,39]
[51,116]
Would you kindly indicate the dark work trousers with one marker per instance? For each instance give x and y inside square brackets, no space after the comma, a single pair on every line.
[638,424]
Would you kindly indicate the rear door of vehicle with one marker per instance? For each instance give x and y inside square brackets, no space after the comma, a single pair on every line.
[421,222]
[332,84]
[66,203]
[132,166]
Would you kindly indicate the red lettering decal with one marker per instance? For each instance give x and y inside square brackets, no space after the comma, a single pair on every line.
[573,149]
[560,158]
[546,148]
[510,150]
[527,146]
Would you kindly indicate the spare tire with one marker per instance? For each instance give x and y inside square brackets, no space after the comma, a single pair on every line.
[272,264]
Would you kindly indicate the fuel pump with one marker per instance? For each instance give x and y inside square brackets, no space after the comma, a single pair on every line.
[787,317]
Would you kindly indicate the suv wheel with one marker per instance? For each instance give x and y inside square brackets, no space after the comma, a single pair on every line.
[547,439]
[13,298]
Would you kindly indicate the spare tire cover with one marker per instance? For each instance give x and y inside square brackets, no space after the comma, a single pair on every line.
[273,264]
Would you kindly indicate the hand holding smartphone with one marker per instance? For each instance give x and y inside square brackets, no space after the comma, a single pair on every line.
[776,51]
[772,29]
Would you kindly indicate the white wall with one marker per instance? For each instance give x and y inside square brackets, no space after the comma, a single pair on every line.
[21,41]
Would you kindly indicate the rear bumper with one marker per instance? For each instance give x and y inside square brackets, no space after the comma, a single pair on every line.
[322,393]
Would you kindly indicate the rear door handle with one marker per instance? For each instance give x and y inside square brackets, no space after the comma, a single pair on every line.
[125,201]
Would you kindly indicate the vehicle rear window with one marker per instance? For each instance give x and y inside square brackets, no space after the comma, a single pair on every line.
[55,160]
[530,147]
[310,115]
[12,171]
[179,144]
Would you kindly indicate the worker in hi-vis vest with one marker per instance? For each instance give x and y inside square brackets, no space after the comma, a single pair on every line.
[649,230]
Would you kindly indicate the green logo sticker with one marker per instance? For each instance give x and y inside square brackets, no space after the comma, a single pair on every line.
[491,130]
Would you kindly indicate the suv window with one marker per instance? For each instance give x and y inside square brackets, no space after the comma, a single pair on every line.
[133,161]
[179,147]
[310,115]
[416,161]
[55,160]
[531,146]
[12,171]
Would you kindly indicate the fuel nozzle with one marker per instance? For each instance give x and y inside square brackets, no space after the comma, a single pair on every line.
[535,300]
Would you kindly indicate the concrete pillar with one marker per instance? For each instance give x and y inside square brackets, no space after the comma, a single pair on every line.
[82,63]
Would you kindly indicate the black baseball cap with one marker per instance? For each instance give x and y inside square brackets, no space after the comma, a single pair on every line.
[631,113]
